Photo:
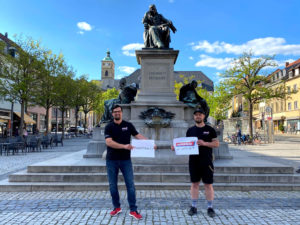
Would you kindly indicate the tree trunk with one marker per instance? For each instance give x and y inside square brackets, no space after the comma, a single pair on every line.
[22,118]
[250,118]
[85,115]
[63,123]
[76,119]
[47,119]
[11,119]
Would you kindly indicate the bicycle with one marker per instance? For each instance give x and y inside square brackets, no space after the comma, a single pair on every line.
[257,138]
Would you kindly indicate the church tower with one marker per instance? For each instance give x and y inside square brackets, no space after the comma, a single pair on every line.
[107,68]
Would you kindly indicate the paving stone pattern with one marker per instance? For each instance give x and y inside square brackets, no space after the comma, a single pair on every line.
[157,207]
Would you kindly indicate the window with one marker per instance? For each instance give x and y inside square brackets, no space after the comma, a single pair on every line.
[277,107]
[289,89]
[295,105]
[106,73]
[295,87]
[289,106]
[277,76]
[34,116]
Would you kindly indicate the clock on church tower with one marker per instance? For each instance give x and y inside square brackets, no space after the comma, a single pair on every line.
[107,67]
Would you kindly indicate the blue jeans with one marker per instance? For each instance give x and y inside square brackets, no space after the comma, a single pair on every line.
[125,166]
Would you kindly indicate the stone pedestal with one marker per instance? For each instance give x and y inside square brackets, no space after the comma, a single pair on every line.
[157,72]
[97,145]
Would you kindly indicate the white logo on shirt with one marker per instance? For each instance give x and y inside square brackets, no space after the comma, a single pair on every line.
[124,128]
[206,132]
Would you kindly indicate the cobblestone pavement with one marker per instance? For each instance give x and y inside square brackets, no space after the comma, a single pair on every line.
[13,163]
[156,207]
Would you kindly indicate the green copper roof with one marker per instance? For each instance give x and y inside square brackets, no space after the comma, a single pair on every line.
[107,58]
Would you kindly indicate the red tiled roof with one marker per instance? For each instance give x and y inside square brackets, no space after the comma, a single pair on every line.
[293,63]
[5,39]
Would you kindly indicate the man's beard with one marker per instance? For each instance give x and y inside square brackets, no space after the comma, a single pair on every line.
[117,118]
[198,121]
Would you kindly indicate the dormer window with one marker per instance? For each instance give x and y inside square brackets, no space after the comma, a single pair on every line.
[12,51]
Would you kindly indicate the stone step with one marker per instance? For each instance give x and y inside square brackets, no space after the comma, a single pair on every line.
[6,186]
[153,177]
[162,168]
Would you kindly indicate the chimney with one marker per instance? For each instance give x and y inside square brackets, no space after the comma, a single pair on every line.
[287,64]
[6,35]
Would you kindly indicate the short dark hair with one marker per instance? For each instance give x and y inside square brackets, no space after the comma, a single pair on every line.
[116,106]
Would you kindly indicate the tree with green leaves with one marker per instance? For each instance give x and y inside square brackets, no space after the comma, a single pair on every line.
[19,74]
[78,98]
[245,77]
[89,94]
[64,90]
[53,65]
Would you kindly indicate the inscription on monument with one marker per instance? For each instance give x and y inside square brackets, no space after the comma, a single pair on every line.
[157,75]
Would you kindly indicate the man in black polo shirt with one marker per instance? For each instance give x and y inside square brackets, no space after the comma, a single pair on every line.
[117,138]
[201,166]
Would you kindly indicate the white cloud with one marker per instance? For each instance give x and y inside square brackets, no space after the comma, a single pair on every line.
[226,63]
[119,76]
[84,26]
[171,1]
[281,63]
[259,46]
[126,69]
[191,58]
[218,63]
[80,32]
[129,49]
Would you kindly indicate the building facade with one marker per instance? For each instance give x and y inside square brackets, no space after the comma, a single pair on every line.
[283,112]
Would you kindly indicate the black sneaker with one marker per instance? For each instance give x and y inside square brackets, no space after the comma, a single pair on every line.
[192,211]
[211,212]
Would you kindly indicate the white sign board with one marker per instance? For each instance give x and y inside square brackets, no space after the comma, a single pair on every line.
[142,148]
[186,146]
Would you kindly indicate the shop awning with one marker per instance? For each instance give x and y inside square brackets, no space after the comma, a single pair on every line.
[27,119]
[4,118]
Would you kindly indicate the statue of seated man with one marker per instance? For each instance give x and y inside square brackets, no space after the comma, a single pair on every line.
[190,97]
[157,29]
[127,95]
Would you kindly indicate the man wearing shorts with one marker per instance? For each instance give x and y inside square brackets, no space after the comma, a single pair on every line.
[201,166]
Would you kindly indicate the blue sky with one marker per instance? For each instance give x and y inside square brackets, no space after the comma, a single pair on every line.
[209,33]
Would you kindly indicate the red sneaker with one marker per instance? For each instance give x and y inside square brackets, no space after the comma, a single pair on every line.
[115,212]
[135,215]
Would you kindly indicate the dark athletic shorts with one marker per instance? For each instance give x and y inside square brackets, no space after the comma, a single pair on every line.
[200,172]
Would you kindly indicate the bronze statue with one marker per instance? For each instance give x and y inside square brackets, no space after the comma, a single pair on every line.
[190,97]
[128,92]
[157,29]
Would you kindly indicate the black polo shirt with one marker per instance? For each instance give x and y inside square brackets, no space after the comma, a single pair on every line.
[206,133]
[120,133]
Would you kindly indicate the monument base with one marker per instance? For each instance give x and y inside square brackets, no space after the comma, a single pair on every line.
[97,145]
